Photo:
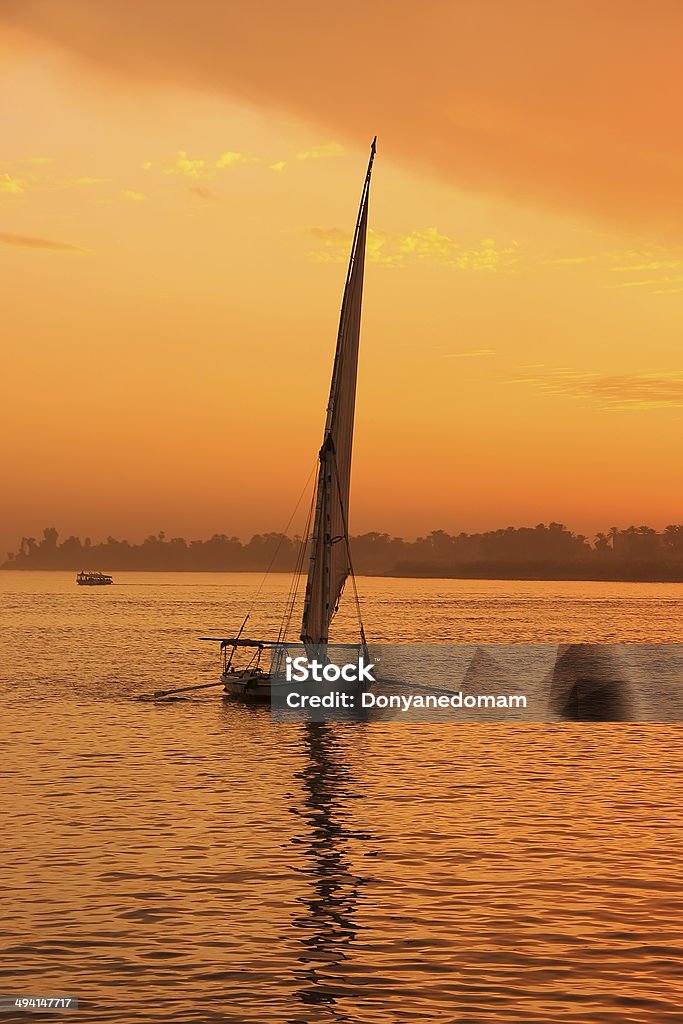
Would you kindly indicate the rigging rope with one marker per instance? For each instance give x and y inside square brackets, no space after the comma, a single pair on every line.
[280,543]
[298,572]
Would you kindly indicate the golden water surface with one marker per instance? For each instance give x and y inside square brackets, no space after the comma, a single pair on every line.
[196,862]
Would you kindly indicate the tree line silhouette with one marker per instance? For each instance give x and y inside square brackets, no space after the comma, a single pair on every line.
[540,552]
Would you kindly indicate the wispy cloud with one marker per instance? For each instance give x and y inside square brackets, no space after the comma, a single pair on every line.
[664,285]
[229,159]
[136,197]
[652,265]
[614,391]
[425,245]
[625,269]
[198,167]
[333,244]
[12,185]
[279,166]
[32,178]
[473,353]
[568,261]
[664,272]
[319,152]
[31,242]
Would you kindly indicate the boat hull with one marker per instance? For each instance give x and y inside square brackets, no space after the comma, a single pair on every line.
[259,687]
[251,686]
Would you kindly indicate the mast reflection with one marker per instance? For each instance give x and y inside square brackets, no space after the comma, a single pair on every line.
[327,923]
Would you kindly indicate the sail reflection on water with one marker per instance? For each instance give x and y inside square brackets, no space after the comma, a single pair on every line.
[328,916]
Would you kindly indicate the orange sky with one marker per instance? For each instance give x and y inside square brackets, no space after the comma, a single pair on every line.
[178,185]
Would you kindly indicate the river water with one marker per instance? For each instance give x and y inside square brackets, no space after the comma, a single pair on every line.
[196,862]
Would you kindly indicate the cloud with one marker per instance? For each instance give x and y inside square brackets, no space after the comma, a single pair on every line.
[198,167]
[653,265]
[80,181]
[624,268]
[569,261]
[84,179]
[655,285]
[666,274]
[30,242]
[183,164]
[635,284]
[475,352]
[12,185]
[613,391]
[136,197]
[228,159]
[424,245]
[279,166]
[319,152]
[36,174]
[428,242]
[485,95]
[334,246]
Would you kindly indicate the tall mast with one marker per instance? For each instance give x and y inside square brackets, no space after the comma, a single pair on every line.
[330,562]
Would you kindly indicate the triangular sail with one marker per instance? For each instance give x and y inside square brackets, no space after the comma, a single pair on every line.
[330,562]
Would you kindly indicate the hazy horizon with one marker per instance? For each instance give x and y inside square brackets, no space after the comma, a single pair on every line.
[294,532]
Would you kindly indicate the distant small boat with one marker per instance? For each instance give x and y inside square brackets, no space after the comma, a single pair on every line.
[93,579]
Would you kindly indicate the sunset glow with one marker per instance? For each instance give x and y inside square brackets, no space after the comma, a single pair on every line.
[175,219]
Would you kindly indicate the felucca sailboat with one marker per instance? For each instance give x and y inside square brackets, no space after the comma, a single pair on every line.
[330,556]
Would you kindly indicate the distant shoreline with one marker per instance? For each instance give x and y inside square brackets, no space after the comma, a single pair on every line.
[638,554]
[676,576]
